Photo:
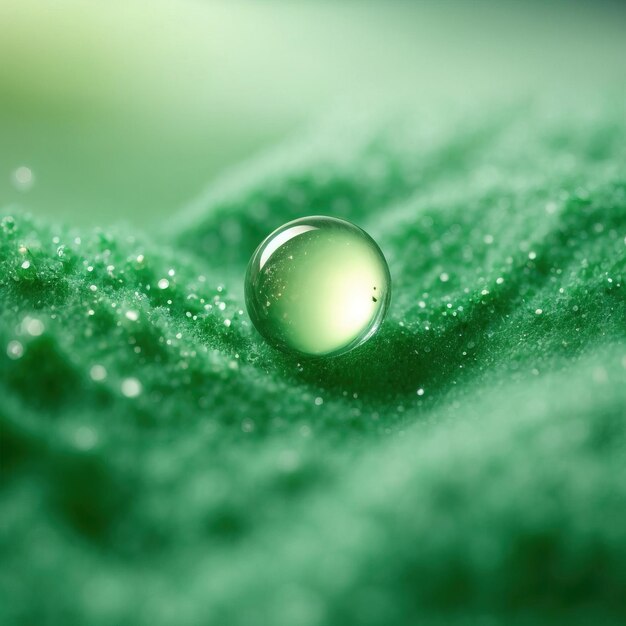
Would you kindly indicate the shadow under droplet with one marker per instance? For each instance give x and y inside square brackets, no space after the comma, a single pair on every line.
[394,362]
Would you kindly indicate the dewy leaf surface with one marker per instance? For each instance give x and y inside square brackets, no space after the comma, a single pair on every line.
[161,464]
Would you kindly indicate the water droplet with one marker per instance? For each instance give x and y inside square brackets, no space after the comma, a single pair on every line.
[33,326]
[163,283]
[133,316]
[23,178]
[15,350]
[98,373]
[131,387]
[327,284]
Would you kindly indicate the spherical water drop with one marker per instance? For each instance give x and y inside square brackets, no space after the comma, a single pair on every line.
[317,286]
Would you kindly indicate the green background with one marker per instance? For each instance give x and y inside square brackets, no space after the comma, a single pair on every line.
[127,110]
[161,464]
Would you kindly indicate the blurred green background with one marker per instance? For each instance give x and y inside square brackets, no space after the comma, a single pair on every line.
[126,109]
[465,466]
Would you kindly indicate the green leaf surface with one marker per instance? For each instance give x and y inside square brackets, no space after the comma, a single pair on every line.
[466,465]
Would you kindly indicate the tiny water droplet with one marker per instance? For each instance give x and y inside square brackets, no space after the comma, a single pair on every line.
[98,373]
[23,178]
[131,387]
[33,326]
[15,350]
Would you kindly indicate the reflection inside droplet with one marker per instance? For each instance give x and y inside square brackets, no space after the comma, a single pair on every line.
[317,286]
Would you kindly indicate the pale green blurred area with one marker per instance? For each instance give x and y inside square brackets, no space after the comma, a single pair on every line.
[126,109]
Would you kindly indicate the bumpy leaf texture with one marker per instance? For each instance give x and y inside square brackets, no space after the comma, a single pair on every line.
[162,465]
